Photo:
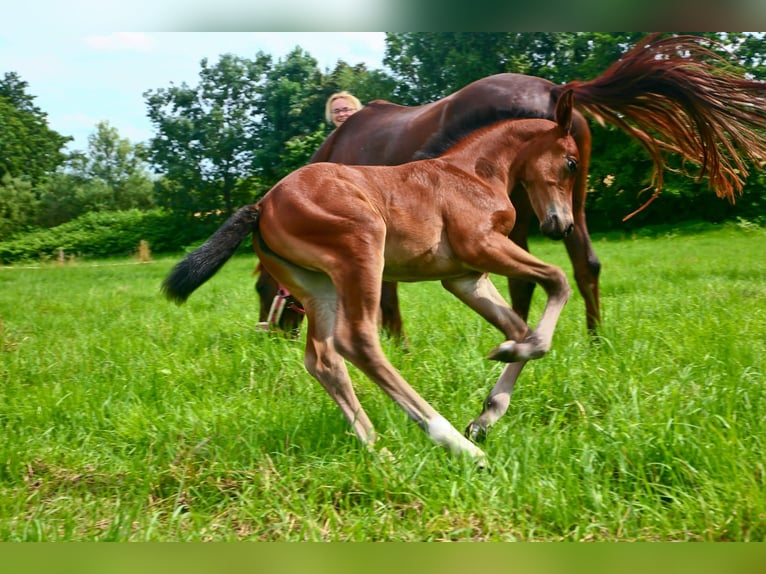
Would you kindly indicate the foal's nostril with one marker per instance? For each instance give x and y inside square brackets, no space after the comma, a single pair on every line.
[568,231]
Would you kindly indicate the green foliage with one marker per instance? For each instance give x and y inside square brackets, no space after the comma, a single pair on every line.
[431,65]
[28,147]
[106,234]
[365,84]
[120,166]
[297,151]
[18,206]
[207,135]
[111,176]
[292,106]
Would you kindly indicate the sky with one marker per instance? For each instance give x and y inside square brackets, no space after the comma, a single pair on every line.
[80,77]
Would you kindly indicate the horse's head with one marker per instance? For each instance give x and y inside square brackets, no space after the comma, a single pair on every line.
[547,167]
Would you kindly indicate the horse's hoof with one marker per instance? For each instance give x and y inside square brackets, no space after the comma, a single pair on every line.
[506,352]
[476,432]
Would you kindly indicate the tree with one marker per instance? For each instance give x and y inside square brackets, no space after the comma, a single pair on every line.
[18,206]
[110,176]
[28,147]
[291,107]
[365,84]
[207,136]
[120,166]
[429,66]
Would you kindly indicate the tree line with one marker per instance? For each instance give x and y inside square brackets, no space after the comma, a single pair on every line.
[248,122]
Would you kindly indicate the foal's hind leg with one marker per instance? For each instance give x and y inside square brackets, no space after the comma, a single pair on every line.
[356,336]
[321,359]
[324,362]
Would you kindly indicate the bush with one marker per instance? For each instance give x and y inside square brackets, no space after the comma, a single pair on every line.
[108,234]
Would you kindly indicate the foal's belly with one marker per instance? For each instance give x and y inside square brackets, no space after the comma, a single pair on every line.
[426,264]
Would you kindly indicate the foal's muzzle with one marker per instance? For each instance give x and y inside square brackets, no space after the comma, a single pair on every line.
[557,227]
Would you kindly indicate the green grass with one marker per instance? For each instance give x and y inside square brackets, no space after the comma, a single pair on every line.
[124,417]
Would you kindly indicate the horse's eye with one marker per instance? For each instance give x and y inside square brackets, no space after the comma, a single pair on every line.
[572,164]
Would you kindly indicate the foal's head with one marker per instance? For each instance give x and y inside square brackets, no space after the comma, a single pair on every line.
[547,167]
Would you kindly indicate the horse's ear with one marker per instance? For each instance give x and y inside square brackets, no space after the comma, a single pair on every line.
[564,106]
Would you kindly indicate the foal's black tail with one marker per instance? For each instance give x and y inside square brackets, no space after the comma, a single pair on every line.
[202,263]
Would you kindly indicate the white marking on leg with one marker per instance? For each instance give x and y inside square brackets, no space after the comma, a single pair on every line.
[444,434]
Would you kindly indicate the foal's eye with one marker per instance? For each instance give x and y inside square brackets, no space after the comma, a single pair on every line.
[571,164]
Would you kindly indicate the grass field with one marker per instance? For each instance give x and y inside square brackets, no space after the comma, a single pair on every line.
[124,417]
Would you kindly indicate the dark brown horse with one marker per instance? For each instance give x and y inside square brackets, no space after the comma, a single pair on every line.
[672,94]
[331,233]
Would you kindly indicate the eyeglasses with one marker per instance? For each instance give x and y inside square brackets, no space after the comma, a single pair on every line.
[337,111]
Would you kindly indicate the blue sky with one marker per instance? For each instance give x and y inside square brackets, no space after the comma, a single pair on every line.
[82,76]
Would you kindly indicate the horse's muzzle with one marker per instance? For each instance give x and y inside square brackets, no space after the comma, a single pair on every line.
[556,227]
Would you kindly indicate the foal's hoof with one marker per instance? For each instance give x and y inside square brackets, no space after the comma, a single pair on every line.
[476,432]
[506,352]
[511,351]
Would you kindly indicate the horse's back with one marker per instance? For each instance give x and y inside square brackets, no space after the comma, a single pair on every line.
[381,133]
[527,96]
[384,133]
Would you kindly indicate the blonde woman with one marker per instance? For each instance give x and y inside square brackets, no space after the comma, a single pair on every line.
[340,106]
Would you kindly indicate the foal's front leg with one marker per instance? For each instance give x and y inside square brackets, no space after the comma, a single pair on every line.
[495,253]
[496,404]
[480,294]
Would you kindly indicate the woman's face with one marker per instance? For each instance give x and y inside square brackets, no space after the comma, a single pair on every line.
[341,109]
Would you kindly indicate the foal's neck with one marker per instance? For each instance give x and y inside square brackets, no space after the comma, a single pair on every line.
[490,151]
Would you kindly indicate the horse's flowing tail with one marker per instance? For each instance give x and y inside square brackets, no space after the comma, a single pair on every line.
[676,94]
[202,263]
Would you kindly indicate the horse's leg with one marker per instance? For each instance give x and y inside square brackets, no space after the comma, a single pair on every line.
[479,293]
[521,290]
[483,298]
[267,288]
[356,338]
[321,358]
[585,263]
[497,402]
[391,317]
[324,362]
[586,271]
[507,258]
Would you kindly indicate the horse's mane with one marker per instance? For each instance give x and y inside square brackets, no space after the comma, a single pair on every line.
[443,140]
[382,103]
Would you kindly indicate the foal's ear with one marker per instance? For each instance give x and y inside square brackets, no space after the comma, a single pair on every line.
[564,106]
